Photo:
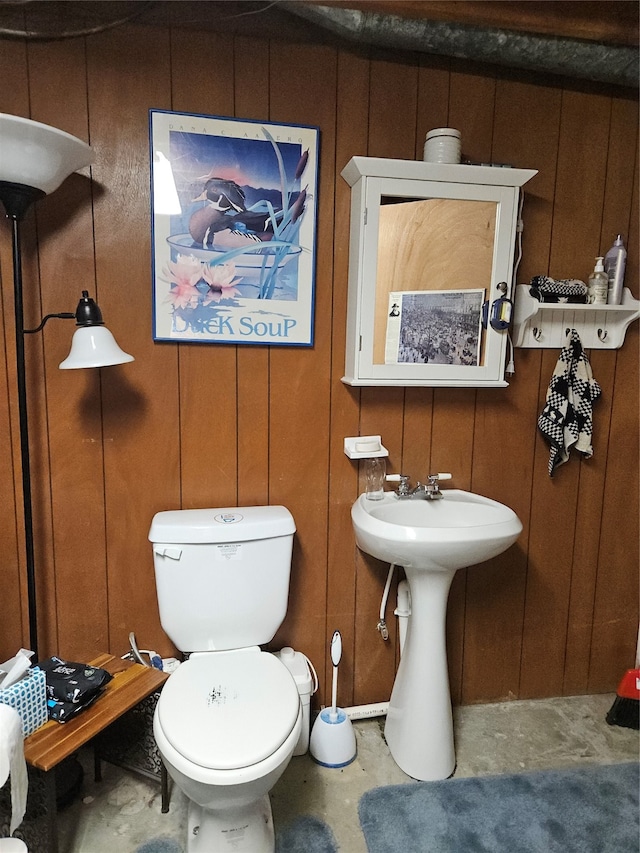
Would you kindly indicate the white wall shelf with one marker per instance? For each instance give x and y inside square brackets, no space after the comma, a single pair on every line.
[544,324]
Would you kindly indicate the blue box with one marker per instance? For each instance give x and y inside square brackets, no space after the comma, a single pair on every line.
[29,697]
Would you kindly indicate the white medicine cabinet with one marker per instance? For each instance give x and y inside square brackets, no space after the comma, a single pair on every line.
[431,255]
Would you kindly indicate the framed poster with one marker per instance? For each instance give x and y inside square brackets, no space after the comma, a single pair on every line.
[233,229]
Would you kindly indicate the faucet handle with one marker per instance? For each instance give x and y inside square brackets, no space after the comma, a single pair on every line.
[433,478]
[403,480]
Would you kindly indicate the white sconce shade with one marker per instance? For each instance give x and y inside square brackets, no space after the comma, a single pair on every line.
[94,346]
[38,155]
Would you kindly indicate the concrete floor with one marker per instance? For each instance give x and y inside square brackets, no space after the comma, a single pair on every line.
[123,811]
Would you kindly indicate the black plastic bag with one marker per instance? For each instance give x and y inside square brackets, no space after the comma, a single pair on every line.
[61,712]
[70,682]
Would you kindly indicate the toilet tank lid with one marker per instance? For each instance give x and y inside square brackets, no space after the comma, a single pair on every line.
[222,524]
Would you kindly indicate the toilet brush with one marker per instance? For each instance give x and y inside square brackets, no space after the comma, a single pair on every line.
[333,741]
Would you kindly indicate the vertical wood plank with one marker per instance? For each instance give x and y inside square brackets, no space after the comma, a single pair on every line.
[140,400]
[393,99]
[251,93]
[615,613]
[579,193]
[300,377]
[352,106]
[434,81]
[471,110]
[208,372]
[586,563]
[73,422]
[506,418]
[452,452]
[14,626]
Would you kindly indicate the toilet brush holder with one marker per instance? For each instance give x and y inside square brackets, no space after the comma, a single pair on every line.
[333,740]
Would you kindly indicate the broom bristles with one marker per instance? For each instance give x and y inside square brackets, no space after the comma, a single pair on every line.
[625,710]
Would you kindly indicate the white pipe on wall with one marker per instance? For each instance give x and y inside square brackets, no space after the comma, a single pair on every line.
[365,712]
[402,611]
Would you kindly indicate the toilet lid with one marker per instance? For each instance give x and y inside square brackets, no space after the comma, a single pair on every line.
[226,710]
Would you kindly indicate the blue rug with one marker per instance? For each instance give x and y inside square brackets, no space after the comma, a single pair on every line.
[303,835]
[162,844]
[581,810]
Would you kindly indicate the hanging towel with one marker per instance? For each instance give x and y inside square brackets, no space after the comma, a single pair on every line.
[566,420]
[12,763]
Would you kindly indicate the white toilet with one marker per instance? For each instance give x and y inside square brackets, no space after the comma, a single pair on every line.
[228,719]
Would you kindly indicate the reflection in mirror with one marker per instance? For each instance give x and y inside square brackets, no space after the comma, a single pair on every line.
[435,244]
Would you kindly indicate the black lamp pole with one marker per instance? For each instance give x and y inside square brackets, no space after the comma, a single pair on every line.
[17,198]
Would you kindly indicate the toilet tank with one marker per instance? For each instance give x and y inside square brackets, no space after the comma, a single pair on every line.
[222,575]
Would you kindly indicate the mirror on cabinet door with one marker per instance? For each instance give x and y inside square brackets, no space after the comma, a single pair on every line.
[429,244]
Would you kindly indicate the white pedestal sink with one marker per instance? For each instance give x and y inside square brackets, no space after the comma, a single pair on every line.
[431,539]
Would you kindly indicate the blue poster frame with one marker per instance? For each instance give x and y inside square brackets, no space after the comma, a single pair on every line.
[234,219]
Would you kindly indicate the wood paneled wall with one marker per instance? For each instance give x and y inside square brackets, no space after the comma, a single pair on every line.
[215,425]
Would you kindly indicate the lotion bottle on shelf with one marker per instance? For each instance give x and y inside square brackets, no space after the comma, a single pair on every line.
[614,263]
[598,284]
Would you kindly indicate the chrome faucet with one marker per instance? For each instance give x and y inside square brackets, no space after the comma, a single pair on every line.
[429,491]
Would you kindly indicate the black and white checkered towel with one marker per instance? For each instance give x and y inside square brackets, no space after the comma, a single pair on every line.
[566,420]
[558,290]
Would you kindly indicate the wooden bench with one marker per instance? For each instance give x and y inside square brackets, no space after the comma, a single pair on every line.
[53,742]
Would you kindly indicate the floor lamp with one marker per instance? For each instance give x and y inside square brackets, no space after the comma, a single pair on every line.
[34,160]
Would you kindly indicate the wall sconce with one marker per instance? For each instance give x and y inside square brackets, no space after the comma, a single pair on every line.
[92,345]
[35,159]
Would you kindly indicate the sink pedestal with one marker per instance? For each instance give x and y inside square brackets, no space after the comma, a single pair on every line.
[432,539]
[419,726]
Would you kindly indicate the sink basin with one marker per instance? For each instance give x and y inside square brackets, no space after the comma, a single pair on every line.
[460,529]
[431,540]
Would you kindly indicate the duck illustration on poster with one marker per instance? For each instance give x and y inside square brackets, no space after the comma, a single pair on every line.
[234,218]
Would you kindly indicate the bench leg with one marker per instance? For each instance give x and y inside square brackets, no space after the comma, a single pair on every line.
[97,765]
[41,822]
[52,810]
[164,785]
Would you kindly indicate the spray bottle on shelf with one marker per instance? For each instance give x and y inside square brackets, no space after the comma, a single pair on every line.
[598,283]
[614,263]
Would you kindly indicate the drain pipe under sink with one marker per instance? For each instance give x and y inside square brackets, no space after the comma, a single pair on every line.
[402,611]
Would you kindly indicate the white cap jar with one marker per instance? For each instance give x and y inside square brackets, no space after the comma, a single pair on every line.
[442,145]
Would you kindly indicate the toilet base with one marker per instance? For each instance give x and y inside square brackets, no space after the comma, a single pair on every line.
[247,828]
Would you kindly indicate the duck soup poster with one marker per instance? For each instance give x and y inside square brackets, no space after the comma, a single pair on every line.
[234,226]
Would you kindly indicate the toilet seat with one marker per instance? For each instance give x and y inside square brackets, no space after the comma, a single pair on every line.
[229,710]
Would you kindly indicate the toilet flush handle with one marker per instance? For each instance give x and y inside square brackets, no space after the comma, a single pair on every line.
[171,553]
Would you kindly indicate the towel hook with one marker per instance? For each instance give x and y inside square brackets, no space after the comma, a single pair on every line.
[537,333]
[602,335]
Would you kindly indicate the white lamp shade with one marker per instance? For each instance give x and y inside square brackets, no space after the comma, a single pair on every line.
[38,155]
[94,346]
